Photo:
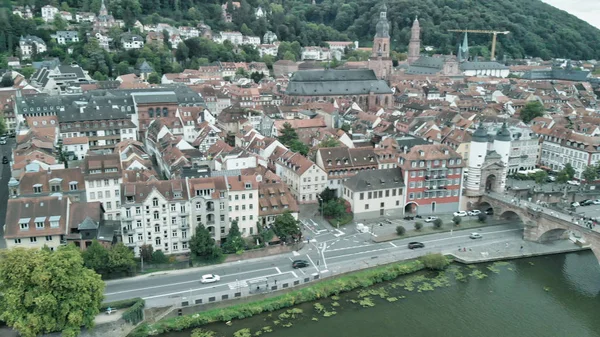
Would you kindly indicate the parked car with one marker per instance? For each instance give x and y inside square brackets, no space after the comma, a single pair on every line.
[586,202]
[460,213]
[431,218]
[2,141]
[575,204]
[573,182]
[596,202]
[389,221]
[490,211]
[551,178]
[475,236]
[408,217]
[210,278]
[4,160]
[474,212]
[413,245]
[300,264]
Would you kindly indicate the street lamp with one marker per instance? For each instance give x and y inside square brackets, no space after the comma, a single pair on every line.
[320,204]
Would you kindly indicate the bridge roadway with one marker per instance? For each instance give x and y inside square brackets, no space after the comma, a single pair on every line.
[169,288]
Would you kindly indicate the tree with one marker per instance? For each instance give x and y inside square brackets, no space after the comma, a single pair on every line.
[256,76]
[43,291]
[456,220]
[327,195]
[27,71]
[346,127]
[437,223]
[95,257]
[146,252]
[159,257]
[531,110]
[234,242]
[418,225]
[435,261]
[540,177]
[400,230]
[566,174]
[182,53]
[59,22]
[287,134]
[7,80]
[2,125]
[203,246]
[286,227]
[153,78]
[329,142]
[334,208]
[590,173]
[123,68]
[299,147]
[121,260]
[482,217]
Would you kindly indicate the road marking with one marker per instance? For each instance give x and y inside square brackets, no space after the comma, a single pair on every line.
[189,291]
[296,276]
[179,283]
[291,258]
[295,253]
[311,261]
[302,271]
[391,243]
[278,271]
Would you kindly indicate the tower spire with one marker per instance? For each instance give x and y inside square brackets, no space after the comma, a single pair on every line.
[414,46]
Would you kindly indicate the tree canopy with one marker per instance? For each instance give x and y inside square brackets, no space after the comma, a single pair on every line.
[43,291]
[566,174]
[109,262]
[234,242]
[286,227]
[531,110]
[203,246]
[290,139]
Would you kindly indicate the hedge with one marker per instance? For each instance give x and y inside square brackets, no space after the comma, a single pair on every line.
[322,289]
[135,312]
[120,304]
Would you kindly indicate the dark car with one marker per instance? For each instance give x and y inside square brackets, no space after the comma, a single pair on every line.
[4,160]
[490,211]
[586,202]
[300,264]
[413,245]
[408,217]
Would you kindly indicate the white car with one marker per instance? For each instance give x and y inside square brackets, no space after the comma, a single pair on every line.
[461,213]
[475,236]
[573,182]
[474,212]
[431,218]
[596,202]
[210,278]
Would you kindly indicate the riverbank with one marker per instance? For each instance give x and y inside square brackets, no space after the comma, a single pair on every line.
[510,251]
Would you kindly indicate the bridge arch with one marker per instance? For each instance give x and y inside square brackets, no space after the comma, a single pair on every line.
[553,235]
[411,207]
[511,216]
[485,206]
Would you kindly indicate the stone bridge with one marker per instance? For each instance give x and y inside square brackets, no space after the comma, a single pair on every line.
[541,223]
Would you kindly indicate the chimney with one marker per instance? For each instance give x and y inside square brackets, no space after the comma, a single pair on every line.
[240,177]
[49,170]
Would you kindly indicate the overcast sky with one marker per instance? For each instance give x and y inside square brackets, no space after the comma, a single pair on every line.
[588,10]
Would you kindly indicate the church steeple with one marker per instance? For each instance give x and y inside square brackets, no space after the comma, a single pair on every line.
[463,50]
[381,42]
[103,10]
[414,46]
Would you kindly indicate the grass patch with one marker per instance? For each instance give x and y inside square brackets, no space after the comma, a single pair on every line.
[342,220]
[469,224]
[320,290]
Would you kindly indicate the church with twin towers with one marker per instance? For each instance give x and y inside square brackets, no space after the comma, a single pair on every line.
[458,65]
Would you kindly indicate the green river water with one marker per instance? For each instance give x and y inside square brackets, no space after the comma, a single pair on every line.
[550,296]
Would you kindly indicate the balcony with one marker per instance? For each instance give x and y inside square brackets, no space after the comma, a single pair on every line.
[128,230]
[210,222]
[184,226]
[210,209]
[130,244]
[435,188]
[127,217]
[186,239]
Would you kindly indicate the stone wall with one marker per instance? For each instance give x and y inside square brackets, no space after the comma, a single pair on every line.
[262,252]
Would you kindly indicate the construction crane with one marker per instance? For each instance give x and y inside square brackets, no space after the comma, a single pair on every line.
[475,31]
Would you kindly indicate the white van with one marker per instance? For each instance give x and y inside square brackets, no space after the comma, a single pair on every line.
[361,228]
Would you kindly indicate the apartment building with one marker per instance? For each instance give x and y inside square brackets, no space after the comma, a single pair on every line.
[433,178]
[156,213]
[305,179]
[375,194]
[103,177]
[68,182]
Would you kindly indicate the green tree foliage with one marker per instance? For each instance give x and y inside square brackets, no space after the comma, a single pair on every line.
[327,195]
[146,252]
[2,125]
[540,177]
[159,257]
[234,242]
[590,173]
[116,261]
[334,208]
[286,227]
[27,71]
[7,81]
[203,246]
[289,138]
[418,225]
[456,220]
[59,23]
[329,142]
[154,78]
[531,110]
[257,77]
[346,127]
[566,174]
[437,223]
[42,291]
[435,261]
[482,217]
[400,230]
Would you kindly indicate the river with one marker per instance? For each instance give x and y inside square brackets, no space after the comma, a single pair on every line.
[554,295]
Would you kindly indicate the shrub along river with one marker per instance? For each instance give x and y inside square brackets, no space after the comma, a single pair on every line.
[556,295]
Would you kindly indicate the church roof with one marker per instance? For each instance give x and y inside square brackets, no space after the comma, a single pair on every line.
[336,82]
[480,135]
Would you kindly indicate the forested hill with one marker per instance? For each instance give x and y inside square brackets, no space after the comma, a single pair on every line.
[537,29]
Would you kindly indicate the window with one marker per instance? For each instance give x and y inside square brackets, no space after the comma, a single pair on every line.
[17,241]
[174,209]
[184,245]
[369,195]
[39,225]
[155,202]
[73,186]
[48,238]
[139,223]
[138,210]
[156,215]
[237,207]
[362,196]
[366,206]
[99,195]
[117,193]
[33,240]
[174,233]
[413,174]
[175,246]
[107,194]
[106,182]
[411,196]
[109,205]
[412,184]
[37,188]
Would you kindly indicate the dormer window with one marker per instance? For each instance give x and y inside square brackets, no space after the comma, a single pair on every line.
[248,186]
[24,224]
[73,186]
[37,188]
[177,194]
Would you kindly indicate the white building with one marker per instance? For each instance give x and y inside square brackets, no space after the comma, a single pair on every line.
[31,44]
[156,213]
[523,149]
[187,32]
[375,194]
[48,13]
[66,36]
[315,54]
[251,40]
[103,179]
[77,147]
[234,37]
[85,17]
[131,41]
[305,179]
[268,49]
